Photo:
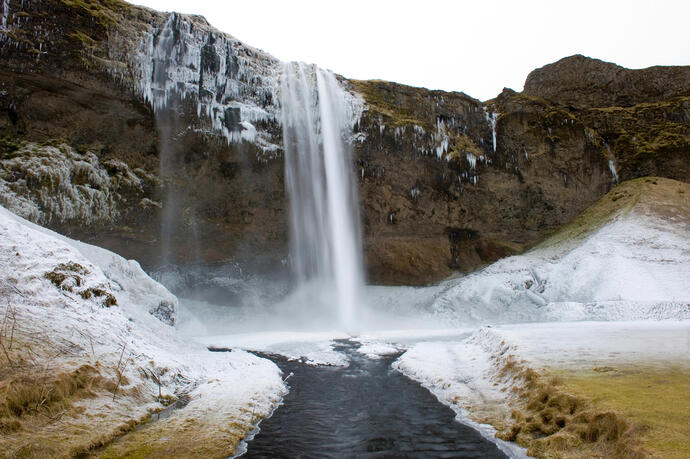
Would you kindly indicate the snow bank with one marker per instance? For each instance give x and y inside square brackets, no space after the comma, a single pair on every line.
[635,268]
[466,375]
[62,289]
[314,348]
[459,375]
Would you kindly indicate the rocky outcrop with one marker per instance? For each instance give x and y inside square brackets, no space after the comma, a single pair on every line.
[581,81]
[119,83]
[446,182]
[473,181]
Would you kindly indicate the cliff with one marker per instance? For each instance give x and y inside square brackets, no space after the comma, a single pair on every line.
[142,131]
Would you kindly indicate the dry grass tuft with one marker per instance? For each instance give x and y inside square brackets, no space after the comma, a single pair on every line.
[30,393]
[70,277]
[551,422]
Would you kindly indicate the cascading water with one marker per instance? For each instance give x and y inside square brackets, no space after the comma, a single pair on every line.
[324,220]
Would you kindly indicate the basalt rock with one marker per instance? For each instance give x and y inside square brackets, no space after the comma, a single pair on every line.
[581,81]
[447,183]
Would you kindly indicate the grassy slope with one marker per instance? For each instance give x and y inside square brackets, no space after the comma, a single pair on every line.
[628,411]
[655,398]
[652,196]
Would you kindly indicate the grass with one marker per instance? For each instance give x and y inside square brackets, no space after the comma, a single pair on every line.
[184,437]
[552,421]
[380,97]
[617,202]
[106,12]
[48,394]
[53,408]
[656,398]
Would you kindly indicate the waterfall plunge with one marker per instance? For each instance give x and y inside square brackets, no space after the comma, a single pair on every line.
[324,221]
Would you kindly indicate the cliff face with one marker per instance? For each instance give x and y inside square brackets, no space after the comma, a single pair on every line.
[143,131]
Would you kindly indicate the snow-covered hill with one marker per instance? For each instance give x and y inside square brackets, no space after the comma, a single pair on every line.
[626,258]
[604,306]
[70,309]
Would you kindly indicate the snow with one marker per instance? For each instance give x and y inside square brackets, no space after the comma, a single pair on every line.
[4,14]
[377,350]
[313,348]
[63,319]
[74,186]
[185,59]
[591,344]
[637,267]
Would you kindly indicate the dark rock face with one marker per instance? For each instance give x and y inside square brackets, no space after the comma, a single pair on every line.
[68,78]
[446,182]
[581,81]
[430,209]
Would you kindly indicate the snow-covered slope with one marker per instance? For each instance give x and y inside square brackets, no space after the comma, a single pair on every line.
[611,290]
[73,304]
[626,258]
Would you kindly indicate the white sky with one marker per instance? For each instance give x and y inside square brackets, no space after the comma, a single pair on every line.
[477,46]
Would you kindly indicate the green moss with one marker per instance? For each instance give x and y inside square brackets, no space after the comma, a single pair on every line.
[106,12]
[83,38]
[8,147]
[380,97]
[460,145]
[643,133]
[615,203]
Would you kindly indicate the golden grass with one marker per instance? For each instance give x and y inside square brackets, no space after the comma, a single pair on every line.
[181,437]
[657,398]
[553,422]
[654,196]
[53,408]
[49,394]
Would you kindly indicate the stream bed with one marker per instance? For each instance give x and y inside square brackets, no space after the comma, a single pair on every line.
[366,409]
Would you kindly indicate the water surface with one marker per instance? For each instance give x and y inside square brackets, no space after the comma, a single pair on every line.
[364,410]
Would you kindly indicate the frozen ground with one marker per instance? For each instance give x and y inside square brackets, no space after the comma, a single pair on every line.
[616,294]
[634,268]
[63,293]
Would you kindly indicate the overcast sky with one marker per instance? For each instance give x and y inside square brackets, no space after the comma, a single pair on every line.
[477,46]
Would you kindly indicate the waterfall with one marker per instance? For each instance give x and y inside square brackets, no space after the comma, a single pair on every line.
[324,221]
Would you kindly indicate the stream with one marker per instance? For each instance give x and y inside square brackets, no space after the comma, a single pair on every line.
[364,410]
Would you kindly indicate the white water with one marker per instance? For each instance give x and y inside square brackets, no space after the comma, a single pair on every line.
[325,249]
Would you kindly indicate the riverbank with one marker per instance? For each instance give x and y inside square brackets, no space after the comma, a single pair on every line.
[583,389]
[88,356]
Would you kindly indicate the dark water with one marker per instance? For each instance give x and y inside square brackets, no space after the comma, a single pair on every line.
[365,410]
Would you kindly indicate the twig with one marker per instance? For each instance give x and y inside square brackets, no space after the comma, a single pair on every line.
[7,355]
[14,323]
[3,335]
[157,380]
[119,371]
